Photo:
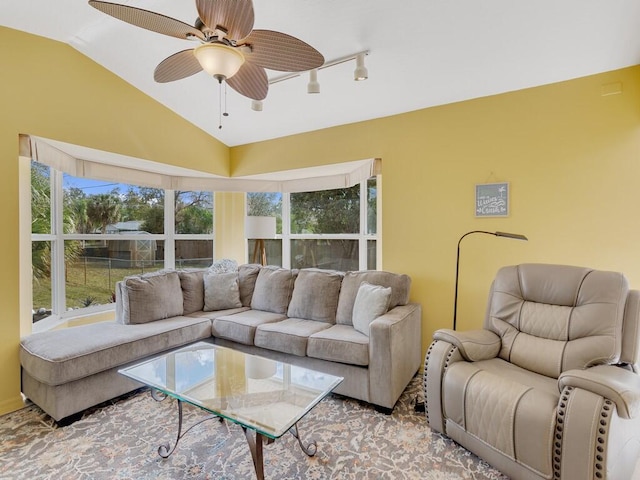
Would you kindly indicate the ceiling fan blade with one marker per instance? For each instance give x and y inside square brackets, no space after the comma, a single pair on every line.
[250,81]
[155,22]
[177,66]
[279,51]
[235,16]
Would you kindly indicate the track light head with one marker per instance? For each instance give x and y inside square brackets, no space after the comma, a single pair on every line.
[360,73]
[256,105]
[313,86]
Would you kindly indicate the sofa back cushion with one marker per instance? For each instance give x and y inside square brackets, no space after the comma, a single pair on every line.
[554,318]
[400,285]
[315,295]
[192,285]
[149,297]
[273,289]
[247,276]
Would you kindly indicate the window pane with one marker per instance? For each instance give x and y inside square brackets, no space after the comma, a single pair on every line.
[41,279]
[265,204]
[273,248]
[194,212]
[93,206]
[194,253]
[328,211]
[372,206]
[331,254]
[371,255]
[40,198]
[93,267]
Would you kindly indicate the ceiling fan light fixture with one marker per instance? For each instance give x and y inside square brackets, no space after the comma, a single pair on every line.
[313,86]
[219,60]
[360,73]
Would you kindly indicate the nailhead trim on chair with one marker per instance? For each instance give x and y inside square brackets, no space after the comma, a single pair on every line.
[603,430]
[424,380]
[424,376]
[557,443]
[601,439]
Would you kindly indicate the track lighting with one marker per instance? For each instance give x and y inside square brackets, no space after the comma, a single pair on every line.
[360,73]
[313,86]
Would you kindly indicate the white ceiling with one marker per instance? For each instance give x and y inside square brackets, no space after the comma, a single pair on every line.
[422,53]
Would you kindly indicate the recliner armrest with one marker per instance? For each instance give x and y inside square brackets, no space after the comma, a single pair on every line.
[474,345]
[617,384]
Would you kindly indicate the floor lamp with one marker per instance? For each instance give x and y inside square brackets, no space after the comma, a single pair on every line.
[515,236]
[259,228]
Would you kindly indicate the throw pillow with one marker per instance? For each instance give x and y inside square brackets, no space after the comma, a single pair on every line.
[371,302]
[221,291]
[224,265]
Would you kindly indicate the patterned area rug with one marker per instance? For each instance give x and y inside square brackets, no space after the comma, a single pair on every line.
[119,440]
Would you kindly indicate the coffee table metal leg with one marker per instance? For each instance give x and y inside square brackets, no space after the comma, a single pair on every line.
[255,441]
[165,450]
[310,448]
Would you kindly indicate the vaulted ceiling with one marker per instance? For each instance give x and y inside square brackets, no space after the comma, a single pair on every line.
[422,53]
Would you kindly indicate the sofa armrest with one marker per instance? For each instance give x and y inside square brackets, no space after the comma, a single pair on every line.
[395,353]
[620,386]
[474,345]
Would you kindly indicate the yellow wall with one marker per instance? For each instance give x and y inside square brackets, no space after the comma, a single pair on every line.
[571,156]
[229,226]
[50,90]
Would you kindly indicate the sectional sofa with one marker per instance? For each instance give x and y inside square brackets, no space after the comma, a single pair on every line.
[358,325]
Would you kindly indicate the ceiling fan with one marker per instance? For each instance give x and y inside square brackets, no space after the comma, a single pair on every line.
[229,48]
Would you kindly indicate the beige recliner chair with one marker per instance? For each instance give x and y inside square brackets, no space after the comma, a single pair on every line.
[550,387]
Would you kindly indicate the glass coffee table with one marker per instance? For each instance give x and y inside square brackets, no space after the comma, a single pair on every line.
[265,397]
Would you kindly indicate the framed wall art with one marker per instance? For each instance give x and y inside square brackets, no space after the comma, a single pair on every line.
[492,200]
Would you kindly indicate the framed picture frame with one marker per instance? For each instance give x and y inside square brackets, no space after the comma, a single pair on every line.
[492,200]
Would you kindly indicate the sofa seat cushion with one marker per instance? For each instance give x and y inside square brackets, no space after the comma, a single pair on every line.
[241,327]
[61,356]
[340,343]
[510,409]
[288,336]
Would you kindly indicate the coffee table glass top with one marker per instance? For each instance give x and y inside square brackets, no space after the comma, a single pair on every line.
[264,395]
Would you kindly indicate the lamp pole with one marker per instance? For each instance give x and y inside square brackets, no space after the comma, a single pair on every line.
[515,236]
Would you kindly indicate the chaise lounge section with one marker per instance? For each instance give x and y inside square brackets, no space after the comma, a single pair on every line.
[358,325]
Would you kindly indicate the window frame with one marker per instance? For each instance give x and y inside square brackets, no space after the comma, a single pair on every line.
[363,237]
[57,237]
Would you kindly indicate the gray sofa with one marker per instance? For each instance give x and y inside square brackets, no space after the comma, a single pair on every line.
[358,325]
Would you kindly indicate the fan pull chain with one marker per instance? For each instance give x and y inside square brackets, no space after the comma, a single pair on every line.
[222,113]
[220,106]
[225,113]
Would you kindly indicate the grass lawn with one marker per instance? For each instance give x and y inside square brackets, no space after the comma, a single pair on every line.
[89,284]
